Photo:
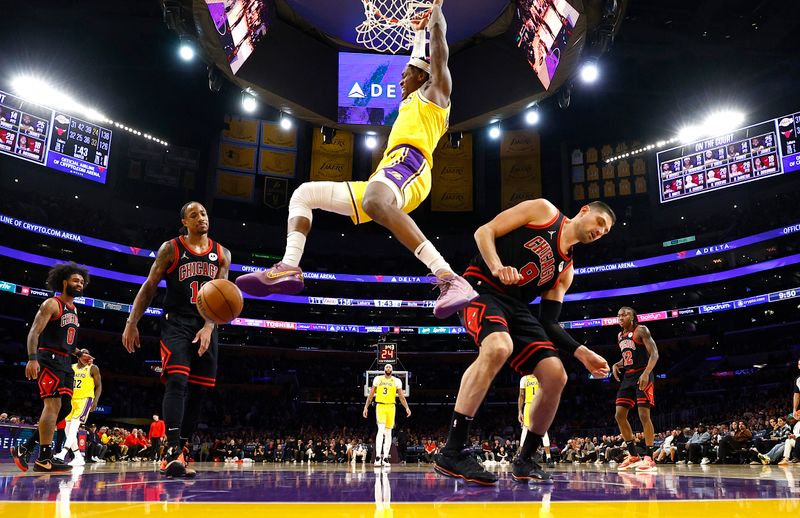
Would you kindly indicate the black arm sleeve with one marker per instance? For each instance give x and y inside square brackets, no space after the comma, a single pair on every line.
[549,310]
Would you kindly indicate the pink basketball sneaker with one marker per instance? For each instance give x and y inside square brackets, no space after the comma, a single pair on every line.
[281,278]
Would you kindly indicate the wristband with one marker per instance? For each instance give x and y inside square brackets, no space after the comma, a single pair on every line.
[33,357]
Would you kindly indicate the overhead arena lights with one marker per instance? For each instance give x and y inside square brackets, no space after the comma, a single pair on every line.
[371,141]
[249,103]
[186,48]
[716,123]
[494,131]
[39,92]
[648,147]
[286,122]
[590,71]
[532,116]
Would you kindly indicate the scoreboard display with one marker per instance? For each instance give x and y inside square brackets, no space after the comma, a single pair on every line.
[53,139]
[387,353]
[759,151]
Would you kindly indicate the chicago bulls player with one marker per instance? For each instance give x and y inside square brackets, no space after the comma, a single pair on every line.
[525,251]
[639,357]
[188,343]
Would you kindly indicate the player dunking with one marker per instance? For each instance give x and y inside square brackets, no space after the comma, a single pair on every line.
[528,387]
[639,358]
[189,347]
[51,341]
[384,389]
[400,184]
[525,251]
[87,387]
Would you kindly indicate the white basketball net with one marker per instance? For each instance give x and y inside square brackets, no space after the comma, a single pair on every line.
[387,25]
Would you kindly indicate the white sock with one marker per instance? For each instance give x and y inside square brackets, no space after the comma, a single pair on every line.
[524,434]
[546,444]
[428,254]
[387,443]
[295,244]
[379,441]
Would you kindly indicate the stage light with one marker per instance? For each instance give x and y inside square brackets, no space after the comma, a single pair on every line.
[286,122]
[39,92]
[371,141]
[249,103]
[186,48]
[721,122]
[532,116]
[590,71]
[494,131]
[689,133]
[564,96]
[328,134]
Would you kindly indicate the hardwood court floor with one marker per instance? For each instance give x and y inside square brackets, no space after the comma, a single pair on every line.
[295,491]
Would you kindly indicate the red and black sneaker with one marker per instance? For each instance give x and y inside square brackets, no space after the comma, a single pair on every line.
[51,466]
[21,456]
[463,465]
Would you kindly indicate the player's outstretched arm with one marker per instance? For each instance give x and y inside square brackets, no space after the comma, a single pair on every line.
[165,257]
[441,82]
[550,310]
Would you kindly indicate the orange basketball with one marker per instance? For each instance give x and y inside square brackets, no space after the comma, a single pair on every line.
[219,301]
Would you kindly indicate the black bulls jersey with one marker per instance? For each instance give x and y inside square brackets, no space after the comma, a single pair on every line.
[533,251]
[59,333]
[188,271]
[634,353]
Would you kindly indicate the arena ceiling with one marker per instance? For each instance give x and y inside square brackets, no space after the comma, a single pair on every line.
[294,68]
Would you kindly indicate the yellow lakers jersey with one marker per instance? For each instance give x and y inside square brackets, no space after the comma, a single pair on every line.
[420,124]
[531,385]
[385,389]
[84,383]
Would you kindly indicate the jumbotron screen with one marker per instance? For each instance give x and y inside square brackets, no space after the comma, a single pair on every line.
[369,88]
[54,139]
[759,151]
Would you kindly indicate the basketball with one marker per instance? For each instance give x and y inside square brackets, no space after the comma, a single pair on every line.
[219,301]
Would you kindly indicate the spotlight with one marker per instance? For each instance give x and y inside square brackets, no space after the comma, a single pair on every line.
[722,122]
[532,116]
[590,71]
[494,131]
[327,134]
[186,49]
[455,139]
[286,122]
[249,103]
[689,134]
[371,141]
[214,79]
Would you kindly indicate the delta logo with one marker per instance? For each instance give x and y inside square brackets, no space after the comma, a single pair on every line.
[375,90]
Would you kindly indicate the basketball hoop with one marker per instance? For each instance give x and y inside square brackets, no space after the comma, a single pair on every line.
[387,24]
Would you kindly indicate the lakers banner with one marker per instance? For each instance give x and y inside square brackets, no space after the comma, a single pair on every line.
[520,168]
[277,163]
[241,130]
[237,157]
[520,180]
[332,162]
[272,135]
[235,186]
[452,176]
